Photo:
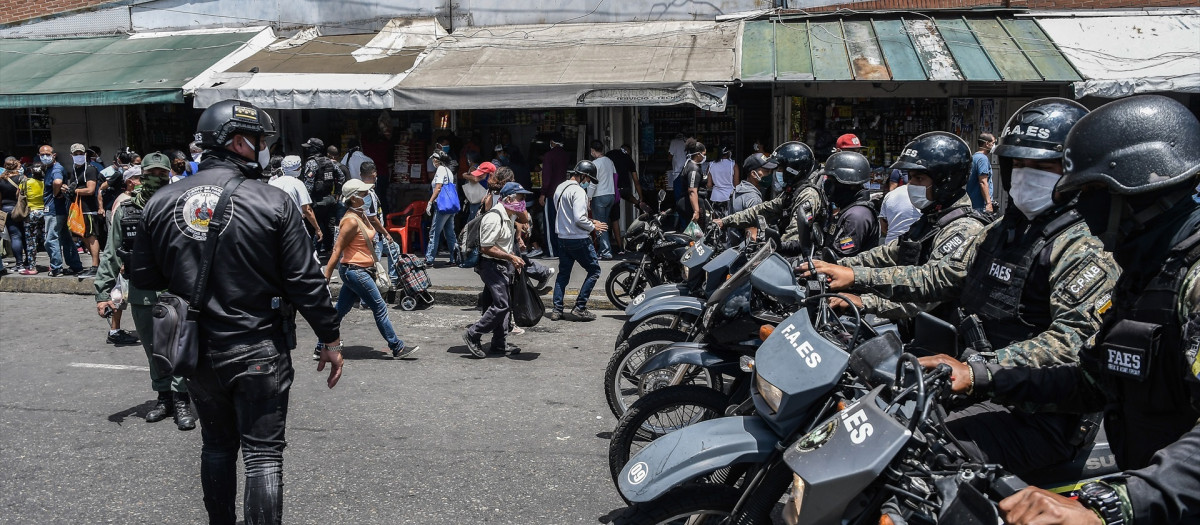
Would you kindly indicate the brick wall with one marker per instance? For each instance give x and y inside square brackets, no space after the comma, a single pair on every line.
[868,5]
[18,10]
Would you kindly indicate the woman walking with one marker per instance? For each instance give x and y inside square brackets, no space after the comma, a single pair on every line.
[10,186]
[722,177]
[354,257]
[443,216]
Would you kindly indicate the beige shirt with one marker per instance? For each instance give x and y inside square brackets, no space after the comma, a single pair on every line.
[497,229]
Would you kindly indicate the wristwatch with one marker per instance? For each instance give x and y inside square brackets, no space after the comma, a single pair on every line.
[1103,499]
[334,348]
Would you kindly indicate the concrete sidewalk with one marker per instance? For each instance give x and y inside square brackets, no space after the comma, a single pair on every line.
[451,285]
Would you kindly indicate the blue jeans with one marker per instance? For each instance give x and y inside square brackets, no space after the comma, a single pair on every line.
[440,221]
[16,234]
[472,209]
[358,285]
[602,208]
[60,244]
[241,395]
[570,252]
[383,243]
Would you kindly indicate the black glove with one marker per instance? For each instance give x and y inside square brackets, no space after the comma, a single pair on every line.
[910,253]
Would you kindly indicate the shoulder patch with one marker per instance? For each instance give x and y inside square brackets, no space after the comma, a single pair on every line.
[953,243]
[846,243]
[1083,280]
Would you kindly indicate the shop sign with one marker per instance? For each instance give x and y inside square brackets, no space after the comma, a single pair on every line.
[651,97]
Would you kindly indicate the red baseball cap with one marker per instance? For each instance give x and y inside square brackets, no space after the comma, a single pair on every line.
[848,141]
[487,168]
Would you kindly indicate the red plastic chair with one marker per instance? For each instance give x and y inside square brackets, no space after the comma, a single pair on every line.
[405,222]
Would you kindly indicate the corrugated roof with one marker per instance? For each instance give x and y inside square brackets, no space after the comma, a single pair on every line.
[900,48]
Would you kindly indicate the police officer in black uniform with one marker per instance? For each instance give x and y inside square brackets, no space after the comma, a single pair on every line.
[262,272]
[1135,162]
[857,229]
[323,178]
[795,161]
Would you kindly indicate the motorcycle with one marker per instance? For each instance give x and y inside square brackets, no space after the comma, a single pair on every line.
[659,252]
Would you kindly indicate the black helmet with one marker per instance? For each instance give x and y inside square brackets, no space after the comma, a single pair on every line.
[943,157]
[1039,129]
[1133,146]
[849,168]
[795,160]
[313,146]
[585,167]
[223,120]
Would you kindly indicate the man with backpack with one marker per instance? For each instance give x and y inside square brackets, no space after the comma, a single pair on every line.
[322,177]
[498,266]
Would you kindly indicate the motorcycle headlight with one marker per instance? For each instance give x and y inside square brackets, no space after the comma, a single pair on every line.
[770,393]
[706,319]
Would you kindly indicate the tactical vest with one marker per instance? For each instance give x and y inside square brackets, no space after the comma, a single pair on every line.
[325,180]
[130,225]
[1010,285]
[916,244]
[1140,356]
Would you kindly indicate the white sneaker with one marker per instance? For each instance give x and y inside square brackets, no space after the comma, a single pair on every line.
[516,331]
[536,252]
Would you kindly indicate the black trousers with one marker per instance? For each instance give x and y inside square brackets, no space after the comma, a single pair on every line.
[326,211]
[1020,441]
[241,396]
[497,278]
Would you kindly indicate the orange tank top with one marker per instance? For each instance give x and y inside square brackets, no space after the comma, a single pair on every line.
[358,253]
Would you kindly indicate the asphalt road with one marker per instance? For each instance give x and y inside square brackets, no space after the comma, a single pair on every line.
[440,438]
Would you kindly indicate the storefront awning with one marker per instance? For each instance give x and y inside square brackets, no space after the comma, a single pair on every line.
[901,48]
[1120,56]
[311,71]
[575,65]
[137,69]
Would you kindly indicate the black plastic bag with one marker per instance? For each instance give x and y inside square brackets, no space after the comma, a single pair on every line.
[527,305]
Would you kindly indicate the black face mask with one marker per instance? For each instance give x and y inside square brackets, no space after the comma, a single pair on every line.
[1096,208]
[841,195]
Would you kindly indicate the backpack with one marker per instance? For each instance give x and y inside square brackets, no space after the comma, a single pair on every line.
[468,242]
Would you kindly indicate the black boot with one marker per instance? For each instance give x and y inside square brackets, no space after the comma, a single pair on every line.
[162,408]
[184,419]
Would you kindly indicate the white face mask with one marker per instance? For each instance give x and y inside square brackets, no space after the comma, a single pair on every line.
[1033,190]
[264,155]
[918,196]
[79,159]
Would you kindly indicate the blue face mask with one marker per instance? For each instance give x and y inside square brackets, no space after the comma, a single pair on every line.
[585,185]
[367,201]
[46,159]
[778,181]
[446,148]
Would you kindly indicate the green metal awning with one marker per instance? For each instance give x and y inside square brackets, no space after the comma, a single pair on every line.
[111,70]
[901,48]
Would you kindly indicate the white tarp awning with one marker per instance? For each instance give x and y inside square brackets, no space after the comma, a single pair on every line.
[573,65]
[314,71]
[1120,56]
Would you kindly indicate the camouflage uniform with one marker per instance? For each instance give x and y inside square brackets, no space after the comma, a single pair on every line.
[807,198]
[1081,279]
[952,236]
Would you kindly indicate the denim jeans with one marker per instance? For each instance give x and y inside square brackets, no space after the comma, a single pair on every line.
[34,226]
[602,208]
[358,285]
[472,209]
[16,234]
[60,245]
[442,222]
[570,252]
[241,396]
[385,244]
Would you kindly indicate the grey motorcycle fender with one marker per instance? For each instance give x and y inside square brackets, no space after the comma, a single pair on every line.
[688,353]
[649,296]
[693,451]
[669,305]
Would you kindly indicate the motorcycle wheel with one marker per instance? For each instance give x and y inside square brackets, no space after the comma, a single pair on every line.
[760,504]
[622,387]
[700,504]
[657,414]
[681,322]
[624,284]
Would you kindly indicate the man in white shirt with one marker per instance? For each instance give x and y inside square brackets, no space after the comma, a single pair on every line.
[290,183]
[574,232]
[354,158]
[896,214]
[498,265]
[602,195]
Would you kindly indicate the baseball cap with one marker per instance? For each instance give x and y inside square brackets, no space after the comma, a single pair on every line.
[512,188]
[487,168]
[78,147]
[291,165]
[156,160]
[131,172]
[353,186]
[499,147]
[848,141]
[758,160]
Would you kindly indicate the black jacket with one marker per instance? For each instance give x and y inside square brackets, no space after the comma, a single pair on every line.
[263,253]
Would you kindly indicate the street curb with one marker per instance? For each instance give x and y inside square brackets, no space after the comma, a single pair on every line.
[447,295]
